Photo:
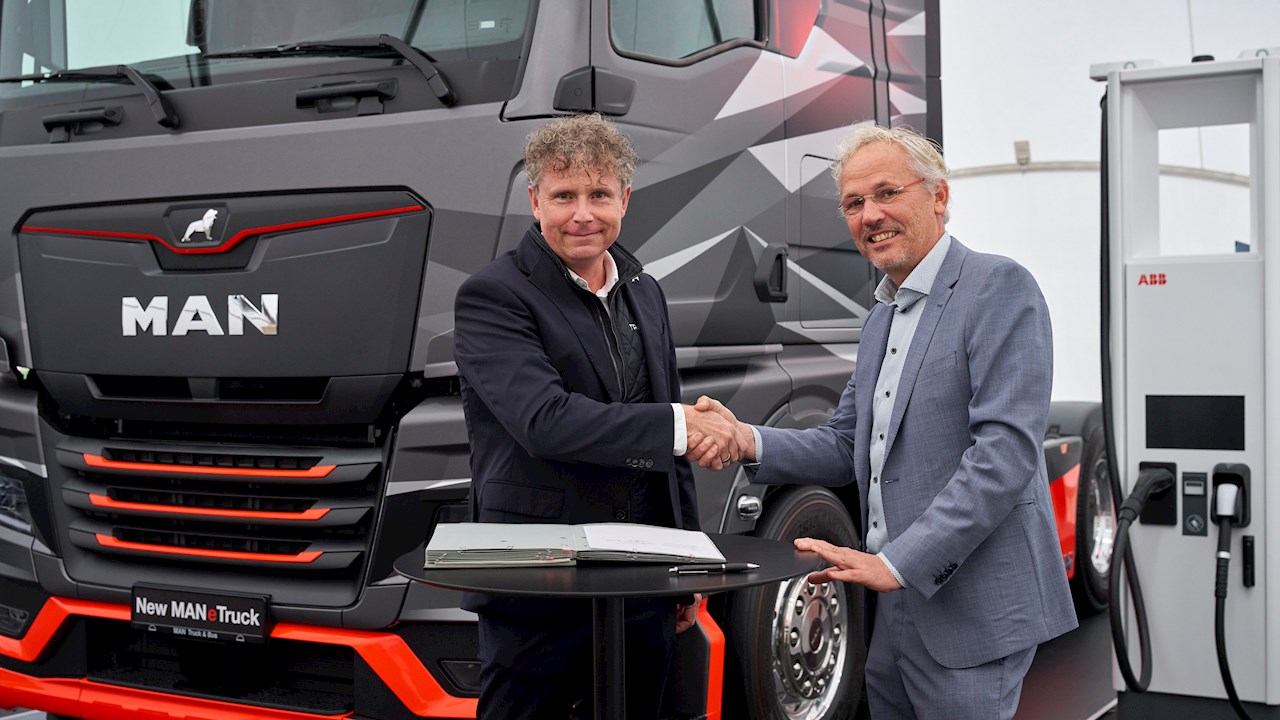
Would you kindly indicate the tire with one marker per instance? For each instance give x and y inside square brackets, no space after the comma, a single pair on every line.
[798,647]
[1095,524]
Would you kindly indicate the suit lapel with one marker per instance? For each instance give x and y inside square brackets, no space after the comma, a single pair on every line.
[936,303]
[548,276]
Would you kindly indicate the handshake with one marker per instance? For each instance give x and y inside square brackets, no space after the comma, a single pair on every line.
[716,438]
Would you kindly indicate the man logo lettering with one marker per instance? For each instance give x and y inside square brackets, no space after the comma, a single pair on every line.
[197,316]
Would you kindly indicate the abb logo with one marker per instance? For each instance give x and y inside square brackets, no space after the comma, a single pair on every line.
[1152,279]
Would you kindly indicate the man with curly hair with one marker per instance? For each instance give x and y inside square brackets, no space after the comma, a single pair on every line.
[572,401]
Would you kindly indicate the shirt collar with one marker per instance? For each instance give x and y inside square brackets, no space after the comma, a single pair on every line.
[919,282]
[610,277]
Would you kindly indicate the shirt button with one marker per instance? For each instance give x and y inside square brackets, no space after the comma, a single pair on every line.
[875,480]
[886,393]
[875,524]
[620,514]
[893,351]
[881,436]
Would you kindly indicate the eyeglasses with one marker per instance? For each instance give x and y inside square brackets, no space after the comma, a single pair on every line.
[852,206]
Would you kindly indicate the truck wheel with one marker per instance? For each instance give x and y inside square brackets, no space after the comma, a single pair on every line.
[799,647]
[1095,525]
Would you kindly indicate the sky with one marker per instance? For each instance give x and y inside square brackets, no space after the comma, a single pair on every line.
[1018,70]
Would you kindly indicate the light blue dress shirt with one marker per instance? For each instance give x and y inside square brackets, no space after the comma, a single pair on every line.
[907,310]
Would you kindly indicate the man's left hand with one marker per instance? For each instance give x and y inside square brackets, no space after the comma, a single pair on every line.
[687,615]
[850,566]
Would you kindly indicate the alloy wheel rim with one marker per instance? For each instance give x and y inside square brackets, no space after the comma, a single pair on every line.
[810,624]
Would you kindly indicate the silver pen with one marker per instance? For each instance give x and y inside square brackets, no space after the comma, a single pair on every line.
[709,568]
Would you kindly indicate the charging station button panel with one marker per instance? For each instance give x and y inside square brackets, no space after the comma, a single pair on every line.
[1195,504]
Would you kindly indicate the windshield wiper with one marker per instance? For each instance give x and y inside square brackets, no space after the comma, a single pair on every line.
[370,45]
[160,107]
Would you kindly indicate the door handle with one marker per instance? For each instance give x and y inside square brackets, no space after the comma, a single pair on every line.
[61,125]
[329,98]
[771,275]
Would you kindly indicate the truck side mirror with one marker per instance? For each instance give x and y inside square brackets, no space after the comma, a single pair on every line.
[198,25]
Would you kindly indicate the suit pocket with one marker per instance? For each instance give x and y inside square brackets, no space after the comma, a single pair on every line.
[526,500]
[938,365]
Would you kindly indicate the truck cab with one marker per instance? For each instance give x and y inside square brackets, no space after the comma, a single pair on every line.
[228,403]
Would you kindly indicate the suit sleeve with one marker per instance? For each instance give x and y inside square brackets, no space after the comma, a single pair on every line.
[1009,344]
[501,355]
[820,455]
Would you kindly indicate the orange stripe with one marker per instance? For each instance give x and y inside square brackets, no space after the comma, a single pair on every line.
[85,698]
[394,663]
[385,653]
[98,461]
[1064,494]
[235,239]
[715,662]
[51,617]
[302,557]
[103,501]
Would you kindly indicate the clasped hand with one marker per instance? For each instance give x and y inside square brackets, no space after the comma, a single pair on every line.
[716,438]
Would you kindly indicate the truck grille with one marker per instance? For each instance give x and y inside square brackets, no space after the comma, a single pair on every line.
[280,509]
[216,460]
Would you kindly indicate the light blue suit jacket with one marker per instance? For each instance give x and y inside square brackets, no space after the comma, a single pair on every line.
[964,488]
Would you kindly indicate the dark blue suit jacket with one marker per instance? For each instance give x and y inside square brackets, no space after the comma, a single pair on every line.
[551,440]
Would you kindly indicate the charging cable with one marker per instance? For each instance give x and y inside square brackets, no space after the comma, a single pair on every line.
[1151,481]
[1226,510]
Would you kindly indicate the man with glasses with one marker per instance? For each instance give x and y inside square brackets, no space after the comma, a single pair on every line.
[941,426]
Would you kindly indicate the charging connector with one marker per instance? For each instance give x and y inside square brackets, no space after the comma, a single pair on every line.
[1228,511]
[1151,481]
[1226,505]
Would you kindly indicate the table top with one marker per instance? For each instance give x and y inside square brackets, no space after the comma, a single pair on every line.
[778,560]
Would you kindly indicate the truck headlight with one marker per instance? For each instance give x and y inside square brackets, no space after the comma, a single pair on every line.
[14,512]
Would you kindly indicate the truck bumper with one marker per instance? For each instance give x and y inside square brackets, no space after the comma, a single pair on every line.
[386,654]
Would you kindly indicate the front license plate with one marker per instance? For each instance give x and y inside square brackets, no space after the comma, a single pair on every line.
[206,616]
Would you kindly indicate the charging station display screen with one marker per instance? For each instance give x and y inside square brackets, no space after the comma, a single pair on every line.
[1195,422]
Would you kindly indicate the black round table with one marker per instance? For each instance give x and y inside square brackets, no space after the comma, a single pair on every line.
[608,583]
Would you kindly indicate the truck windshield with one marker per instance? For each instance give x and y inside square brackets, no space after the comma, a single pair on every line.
[171,39]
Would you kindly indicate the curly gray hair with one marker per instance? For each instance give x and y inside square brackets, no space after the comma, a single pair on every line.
[579,142]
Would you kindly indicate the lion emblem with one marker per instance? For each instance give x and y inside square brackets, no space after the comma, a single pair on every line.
[203,225]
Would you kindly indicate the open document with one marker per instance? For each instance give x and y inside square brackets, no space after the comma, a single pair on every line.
[462,545]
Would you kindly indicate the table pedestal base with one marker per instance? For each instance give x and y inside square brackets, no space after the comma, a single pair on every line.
[608,657]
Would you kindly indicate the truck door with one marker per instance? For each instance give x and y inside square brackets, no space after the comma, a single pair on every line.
[699,94]
[699,91]
[846,62]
